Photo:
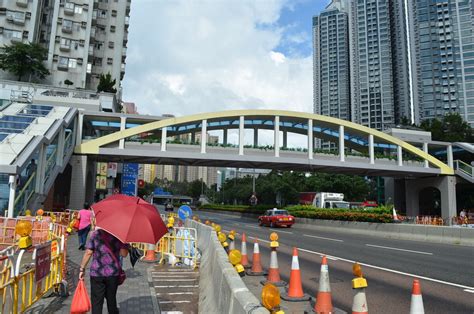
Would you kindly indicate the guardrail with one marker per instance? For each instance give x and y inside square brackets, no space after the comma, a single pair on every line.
[181,243]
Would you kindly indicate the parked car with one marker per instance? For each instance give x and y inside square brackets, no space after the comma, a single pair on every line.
[276,218]
[169,207]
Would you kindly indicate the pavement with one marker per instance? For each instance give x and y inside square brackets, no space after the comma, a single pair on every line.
[445,271]
[138,293]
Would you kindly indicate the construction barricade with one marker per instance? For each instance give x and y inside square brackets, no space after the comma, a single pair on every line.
[180,244]
[27,274]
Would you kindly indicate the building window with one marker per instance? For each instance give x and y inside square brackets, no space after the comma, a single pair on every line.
[72,63]
[63,62]
[112,28]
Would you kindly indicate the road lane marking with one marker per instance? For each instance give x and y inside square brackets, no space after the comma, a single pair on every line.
[396,249]
[470,291]
[259,240]
[330,239]
[174,293]
[284,231]
[391,270]
[178,286]
[176,279]
[165,302]
[255,227]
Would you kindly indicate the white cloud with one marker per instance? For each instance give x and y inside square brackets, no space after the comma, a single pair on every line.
[186,57]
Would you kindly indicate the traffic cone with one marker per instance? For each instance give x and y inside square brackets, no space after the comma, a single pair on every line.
[274,272]
[295,288]
[243,251]
[257,269]
[395,216]
[359,304]
[150,254]
[323,298]
[416,306]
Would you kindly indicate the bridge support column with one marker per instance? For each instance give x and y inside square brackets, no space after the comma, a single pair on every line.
[449,152]
[40,169]
[78,181]
[60,149]
[224,140]
[276,141]
[203,136]
[79,125]
[193,137]
[12,195]
[310,138]
[255,137]
[342,156]
[123,122]
[399,156]
[445,184]
[371,149]
[285,139]
[241,134]
[425,149]
[163,139]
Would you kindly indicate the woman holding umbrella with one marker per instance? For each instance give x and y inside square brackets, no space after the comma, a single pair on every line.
[105,269]
[120,219]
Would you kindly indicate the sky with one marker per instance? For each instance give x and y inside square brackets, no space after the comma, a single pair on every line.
[186,57]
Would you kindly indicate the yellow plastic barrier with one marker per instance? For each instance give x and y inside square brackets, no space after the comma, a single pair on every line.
[28,274]
[182,243]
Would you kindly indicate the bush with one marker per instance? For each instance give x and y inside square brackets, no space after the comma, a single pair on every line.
[382,214]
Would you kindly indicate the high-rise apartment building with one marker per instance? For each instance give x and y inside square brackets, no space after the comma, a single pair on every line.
[443,34]
[84,38]
[331,62]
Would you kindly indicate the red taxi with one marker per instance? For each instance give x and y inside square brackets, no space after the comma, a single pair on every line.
[276,218]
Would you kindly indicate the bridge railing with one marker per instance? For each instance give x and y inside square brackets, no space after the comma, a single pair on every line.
[464,168]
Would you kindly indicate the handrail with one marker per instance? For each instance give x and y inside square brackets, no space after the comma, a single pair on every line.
[464,167]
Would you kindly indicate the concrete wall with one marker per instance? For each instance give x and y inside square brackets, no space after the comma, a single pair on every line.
[440,234]
[221,290]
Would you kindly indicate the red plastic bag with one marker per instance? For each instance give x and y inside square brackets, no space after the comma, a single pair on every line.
[75,225]
[80,302]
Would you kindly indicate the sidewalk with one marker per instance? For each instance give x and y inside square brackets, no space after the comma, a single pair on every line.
[136,295]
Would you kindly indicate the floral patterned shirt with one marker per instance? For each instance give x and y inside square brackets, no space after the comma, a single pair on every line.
[103,264]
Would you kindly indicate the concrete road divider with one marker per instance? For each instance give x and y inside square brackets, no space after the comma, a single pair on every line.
[221,290]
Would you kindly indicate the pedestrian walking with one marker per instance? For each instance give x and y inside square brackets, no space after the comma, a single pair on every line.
[85,221]
[106,273]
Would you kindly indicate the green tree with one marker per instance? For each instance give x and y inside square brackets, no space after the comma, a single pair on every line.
[24,59]
[452,128]
[106,84]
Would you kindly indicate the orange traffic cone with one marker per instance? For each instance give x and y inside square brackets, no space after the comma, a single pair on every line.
[359,304]
[395,216]
[243,251]
[295,288]
[416,306]
[150,254]
[257,269]
[274,272]
[323,298]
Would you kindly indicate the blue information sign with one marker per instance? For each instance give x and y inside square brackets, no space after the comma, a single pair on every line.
[184,212]
[129,179]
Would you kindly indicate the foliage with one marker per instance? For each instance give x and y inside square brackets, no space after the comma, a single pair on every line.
[452,128]
[24,59]
[381,214]
[106,84]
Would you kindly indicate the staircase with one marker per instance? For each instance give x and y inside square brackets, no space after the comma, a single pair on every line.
[464,170]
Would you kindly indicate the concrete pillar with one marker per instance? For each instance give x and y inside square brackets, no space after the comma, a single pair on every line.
[399,156]
[255,137]
[241,134]
[203,136]
[193,137]
[80,124]
[276,141]
[425,149]
[412,198]
[78,181]
[12,195]
[224,136]
[310,138]
[447,188]
[40,169]
[123,123]
[371,149]
[342,155]
[285,139]
[163,139]
[449,152]
[60,148]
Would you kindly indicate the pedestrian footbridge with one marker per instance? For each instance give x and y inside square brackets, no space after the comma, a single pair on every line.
[330,144]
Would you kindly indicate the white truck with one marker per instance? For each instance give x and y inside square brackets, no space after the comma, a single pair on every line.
[330,200]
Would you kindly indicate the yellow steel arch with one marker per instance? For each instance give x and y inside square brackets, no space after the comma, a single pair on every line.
[92,146]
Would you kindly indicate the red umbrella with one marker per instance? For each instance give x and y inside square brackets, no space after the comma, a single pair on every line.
[129,219]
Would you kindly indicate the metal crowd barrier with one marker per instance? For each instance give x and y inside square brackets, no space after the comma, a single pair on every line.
[429,220]
[26,275]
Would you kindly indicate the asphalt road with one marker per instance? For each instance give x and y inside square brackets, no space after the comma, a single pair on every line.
[446,272]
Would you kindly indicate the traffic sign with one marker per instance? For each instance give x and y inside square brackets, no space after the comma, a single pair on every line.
[184,212]
[141,183]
